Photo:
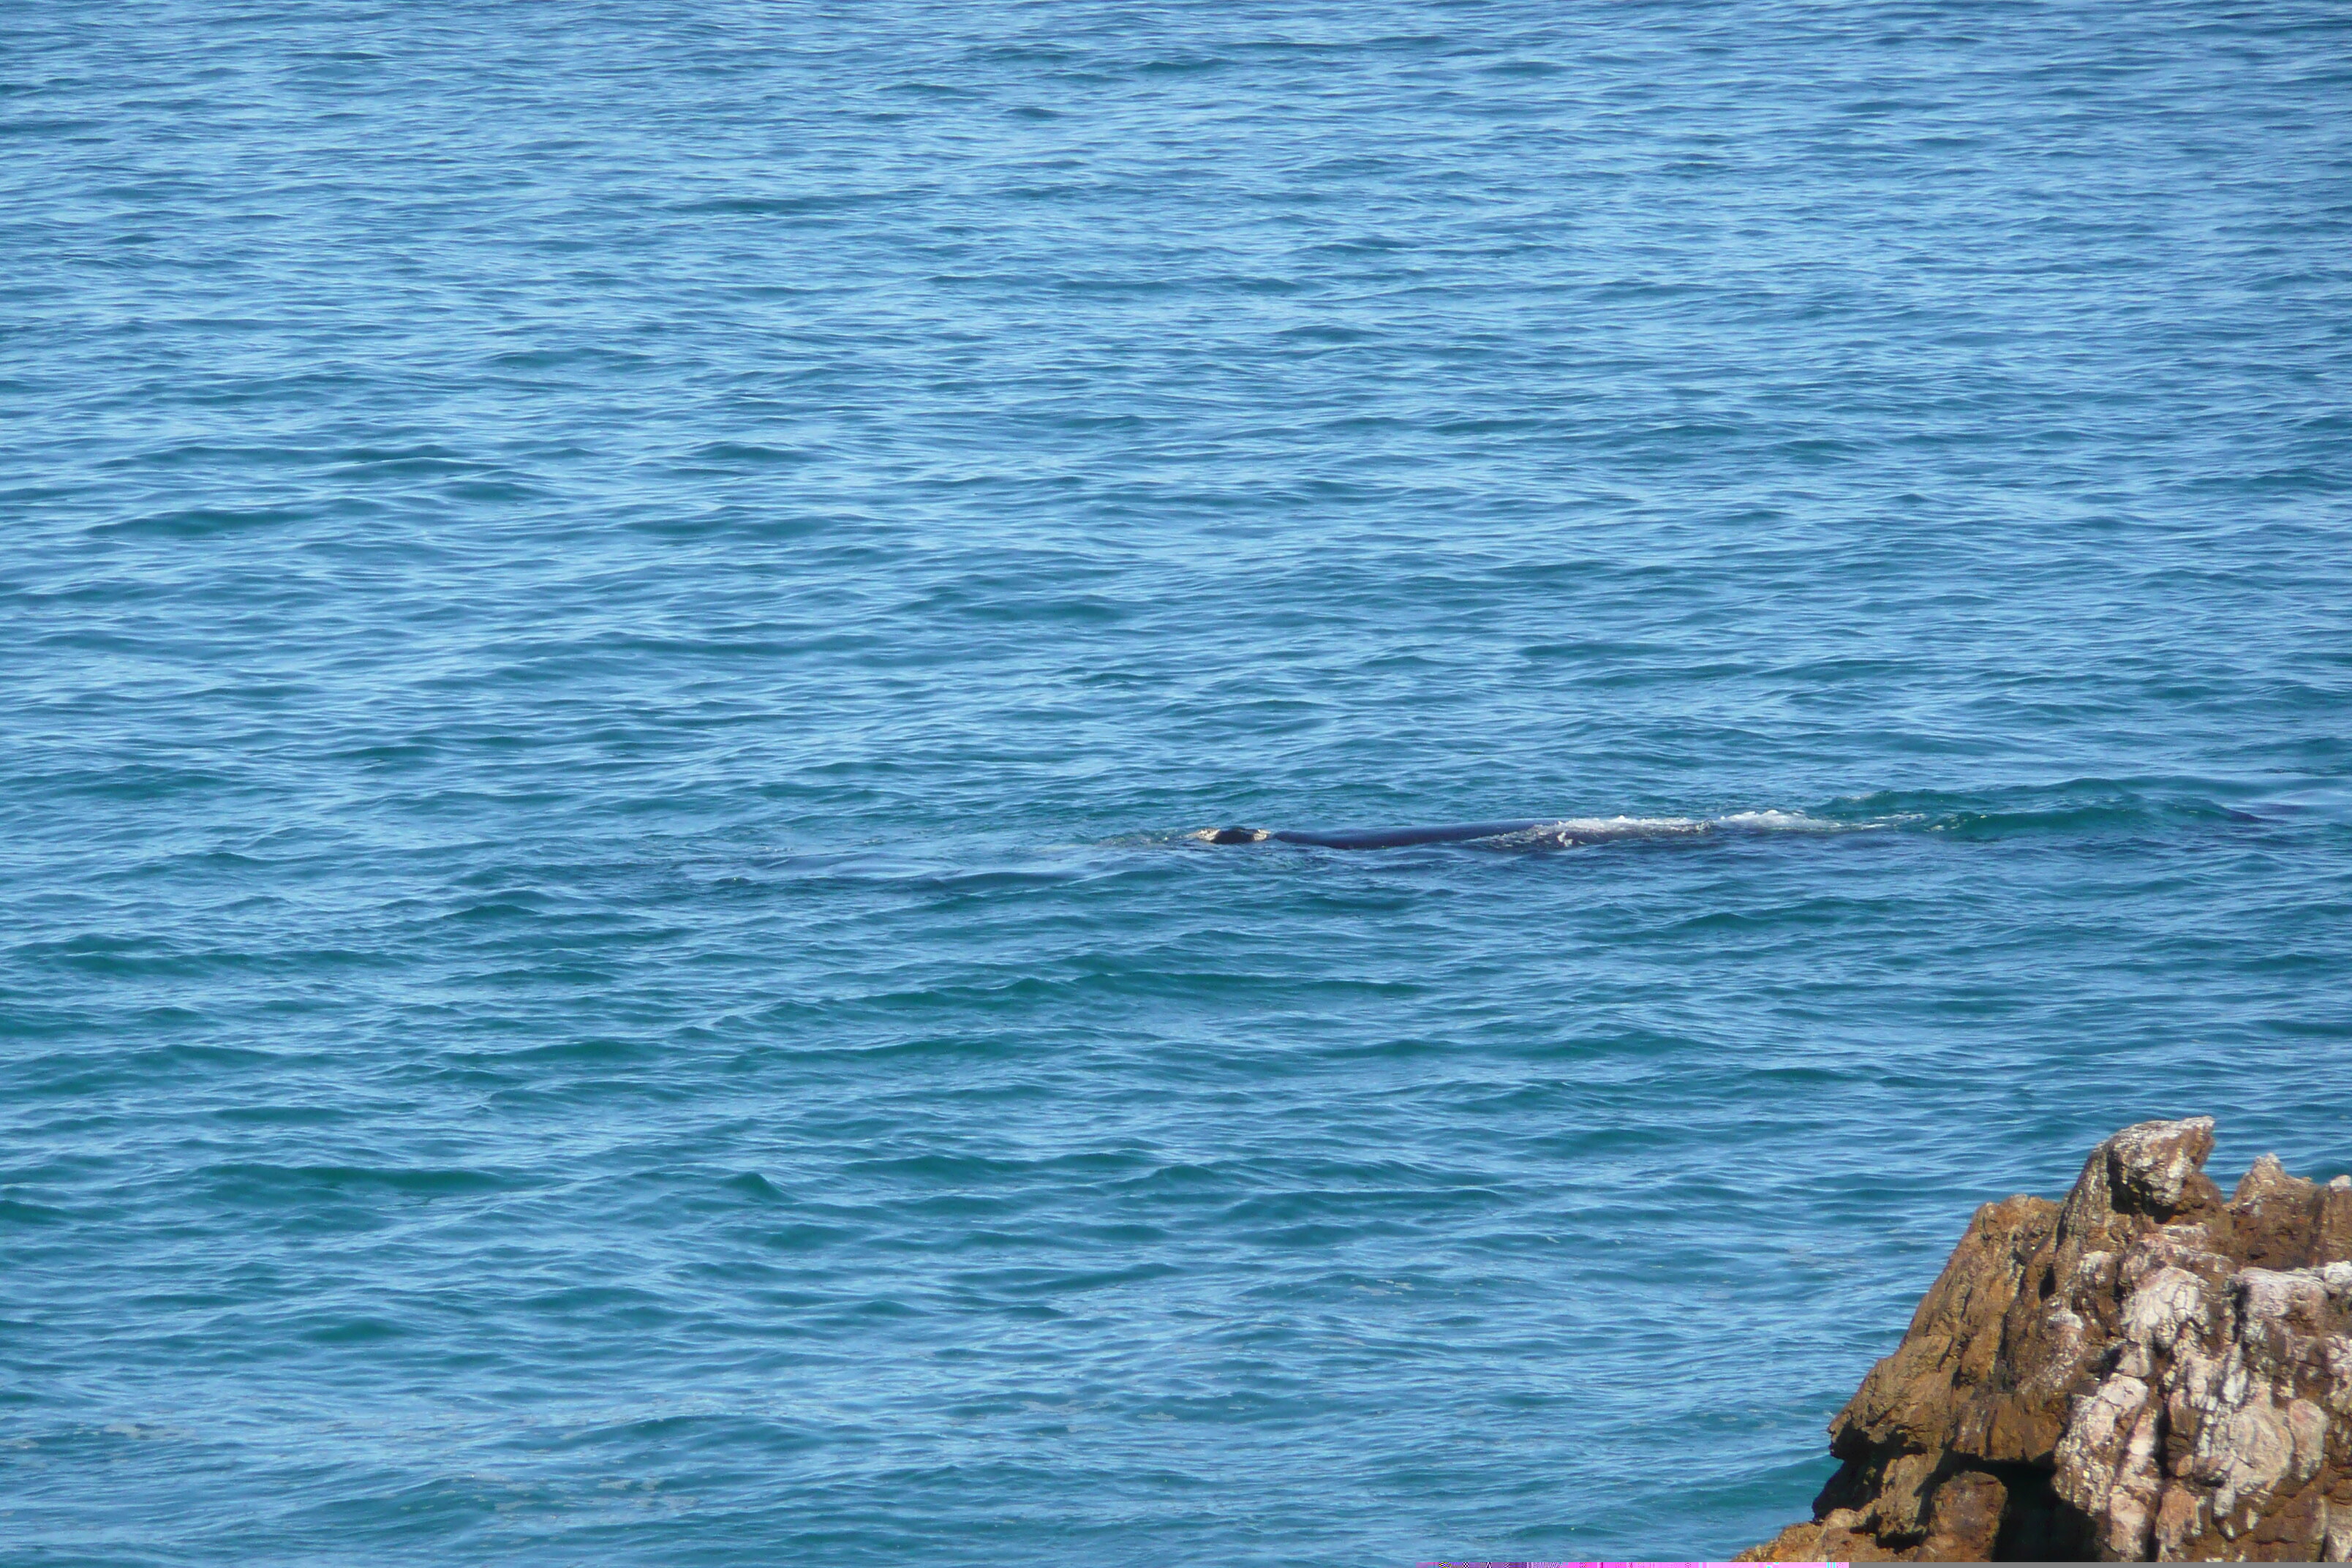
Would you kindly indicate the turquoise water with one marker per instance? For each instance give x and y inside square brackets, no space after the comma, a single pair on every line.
[615,616]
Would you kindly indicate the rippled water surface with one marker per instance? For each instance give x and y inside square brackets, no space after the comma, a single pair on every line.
[615,616]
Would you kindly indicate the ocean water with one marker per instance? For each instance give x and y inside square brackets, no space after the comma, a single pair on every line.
[614,617]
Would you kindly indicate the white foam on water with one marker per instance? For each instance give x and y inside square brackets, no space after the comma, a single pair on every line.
[1569,832]
[1783,822]
[1798,822]
[1575,830]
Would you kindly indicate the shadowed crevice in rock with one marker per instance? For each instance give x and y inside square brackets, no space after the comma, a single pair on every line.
[2148,1370]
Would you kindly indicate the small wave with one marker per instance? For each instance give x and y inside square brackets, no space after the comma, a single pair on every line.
[2081,805]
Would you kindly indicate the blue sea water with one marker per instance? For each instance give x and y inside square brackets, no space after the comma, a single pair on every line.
[613,617]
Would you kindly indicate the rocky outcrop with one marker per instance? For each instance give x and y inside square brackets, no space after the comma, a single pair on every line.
[2147,1371]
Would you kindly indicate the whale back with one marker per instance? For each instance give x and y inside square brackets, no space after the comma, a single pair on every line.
[1399,837]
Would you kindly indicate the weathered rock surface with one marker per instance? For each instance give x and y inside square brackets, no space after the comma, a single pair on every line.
[2148,1370]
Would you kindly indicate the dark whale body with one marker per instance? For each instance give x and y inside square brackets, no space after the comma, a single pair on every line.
[1375,837]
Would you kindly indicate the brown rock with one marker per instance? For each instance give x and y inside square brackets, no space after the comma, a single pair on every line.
[1965,1522]
[1797,1543]
[2145,1371]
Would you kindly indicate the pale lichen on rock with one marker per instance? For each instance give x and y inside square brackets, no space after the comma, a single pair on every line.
[2147,1371]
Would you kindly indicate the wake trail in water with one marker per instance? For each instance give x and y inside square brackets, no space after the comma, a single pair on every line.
[1541,832]
[2075,809]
